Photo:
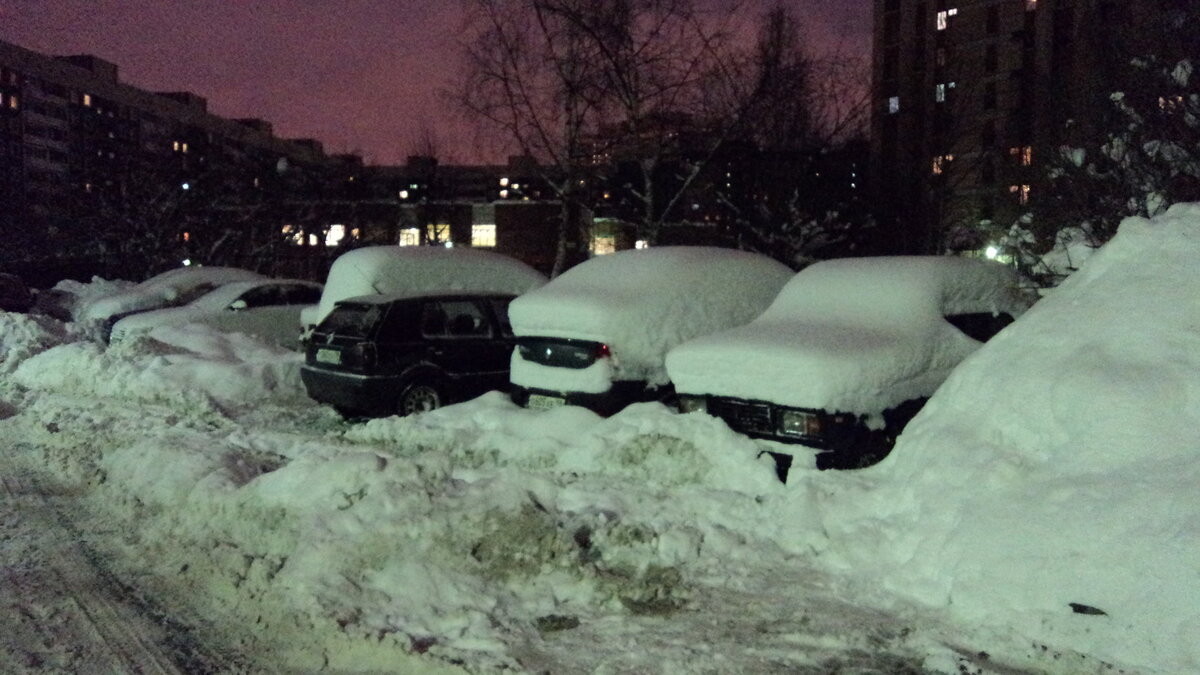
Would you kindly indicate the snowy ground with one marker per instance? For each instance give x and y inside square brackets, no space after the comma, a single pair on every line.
[231,525]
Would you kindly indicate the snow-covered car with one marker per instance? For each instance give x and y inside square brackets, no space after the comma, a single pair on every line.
[170,289]
[402,354]
[15,296]
[848,352]
[596,336]
[267,309]
[420,269]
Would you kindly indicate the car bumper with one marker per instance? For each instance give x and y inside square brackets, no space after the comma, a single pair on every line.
[609,402]
[365,394]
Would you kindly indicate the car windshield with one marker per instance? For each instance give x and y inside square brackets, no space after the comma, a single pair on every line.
[352,319]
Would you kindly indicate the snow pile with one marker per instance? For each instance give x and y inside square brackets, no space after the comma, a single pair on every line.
[643,302]
[23,336]
[1049,487]
[421,269]
[187,365]
[857,335]
[169,288]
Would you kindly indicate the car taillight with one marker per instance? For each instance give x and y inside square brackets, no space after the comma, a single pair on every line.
[602,351]
[364,354]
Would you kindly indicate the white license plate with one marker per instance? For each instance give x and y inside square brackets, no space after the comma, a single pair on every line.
[540,402]
[329,356]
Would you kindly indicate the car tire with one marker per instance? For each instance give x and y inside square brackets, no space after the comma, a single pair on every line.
[420,396]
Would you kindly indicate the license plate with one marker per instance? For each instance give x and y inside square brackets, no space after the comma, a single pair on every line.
[540,402]
[329,356]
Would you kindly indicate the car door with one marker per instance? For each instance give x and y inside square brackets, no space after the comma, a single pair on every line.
[459,335]
[270,312]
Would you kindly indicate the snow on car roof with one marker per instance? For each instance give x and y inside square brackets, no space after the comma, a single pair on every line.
[643,302]
[405,269]
[1059,465]
[858,335]
[160,290]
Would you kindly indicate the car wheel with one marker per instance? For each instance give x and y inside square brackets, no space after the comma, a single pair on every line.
[420,396]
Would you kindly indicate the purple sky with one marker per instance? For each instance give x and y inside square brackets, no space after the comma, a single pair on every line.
[361,76]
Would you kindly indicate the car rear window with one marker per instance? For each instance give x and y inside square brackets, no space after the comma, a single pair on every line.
[560,353]
[356,320]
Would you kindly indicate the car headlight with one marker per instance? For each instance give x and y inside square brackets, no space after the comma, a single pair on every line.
[688,404]
[799,423]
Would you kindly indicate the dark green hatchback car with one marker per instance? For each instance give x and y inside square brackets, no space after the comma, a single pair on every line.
[384,355]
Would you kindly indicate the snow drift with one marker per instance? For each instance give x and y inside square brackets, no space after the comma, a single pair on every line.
[1049,486]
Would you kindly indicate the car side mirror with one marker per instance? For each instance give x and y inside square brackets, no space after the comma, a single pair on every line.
[238,305]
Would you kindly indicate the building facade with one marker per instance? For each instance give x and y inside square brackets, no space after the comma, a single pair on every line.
[969,99]
[75,141]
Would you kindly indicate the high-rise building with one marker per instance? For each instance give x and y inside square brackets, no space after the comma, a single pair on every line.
[970,96]
[74,138]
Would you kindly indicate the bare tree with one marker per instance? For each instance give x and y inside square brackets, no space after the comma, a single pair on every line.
[530,75]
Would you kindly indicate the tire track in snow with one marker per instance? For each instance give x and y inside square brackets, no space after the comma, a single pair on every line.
[61,611]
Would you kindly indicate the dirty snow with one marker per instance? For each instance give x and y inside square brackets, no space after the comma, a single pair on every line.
[1056,466]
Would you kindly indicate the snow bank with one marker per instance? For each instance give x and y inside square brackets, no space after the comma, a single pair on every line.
[23,336]
[413,269]
[858,335]
[1055,472]
[186,365]
[643,302]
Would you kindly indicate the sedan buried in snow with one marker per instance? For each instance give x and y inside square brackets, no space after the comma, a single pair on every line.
[848,352]
[267,309]
[596,336]
[379,355]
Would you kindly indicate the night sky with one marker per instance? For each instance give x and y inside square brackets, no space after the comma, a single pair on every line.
[361,76]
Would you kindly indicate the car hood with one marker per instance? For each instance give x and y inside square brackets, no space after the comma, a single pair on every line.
[861,369]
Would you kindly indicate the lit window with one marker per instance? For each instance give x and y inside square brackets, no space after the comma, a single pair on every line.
[87,100]
[437,233]
[893,105]
[175,146]
[943,18]
[335,235]
[1022,193]
[503,182]
[603,244]
[483,236]
[1170,103]
[183,147]
[516,186]
[641,243]
[504,194]
[939,93]
[187,236]
[940,164]
[1024,153]
[293,234]
[404,194]
[410,236]
[13,102]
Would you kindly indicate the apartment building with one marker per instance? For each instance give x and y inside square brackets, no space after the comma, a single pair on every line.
[969,97]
